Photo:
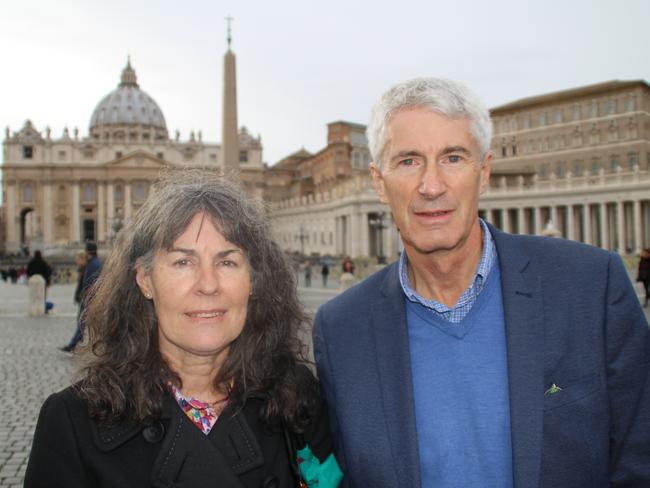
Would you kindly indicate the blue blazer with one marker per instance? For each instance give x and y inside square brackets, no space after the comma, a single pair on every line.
[572,319]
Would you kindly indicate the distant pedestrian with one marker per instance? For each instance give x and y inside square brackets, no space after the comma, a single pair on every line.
[348,266]
[307,274]
[13,274]
[92,269]
[644,273]
[325,271]
[38,266]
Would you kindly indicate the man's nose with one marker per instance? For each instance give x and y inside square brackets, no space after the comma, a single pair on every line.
[431,181]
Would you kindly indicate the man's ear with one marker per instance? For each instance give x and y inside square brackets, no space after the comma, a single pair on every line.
[143,281]
[486,169]
[378,181]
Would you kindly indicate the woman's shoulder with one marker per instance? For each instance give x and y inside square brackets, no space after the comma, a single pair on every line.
[67,399]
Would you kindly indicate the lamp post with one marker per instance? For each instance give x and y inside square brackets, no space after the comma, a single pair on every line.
[302,235]
[378,222]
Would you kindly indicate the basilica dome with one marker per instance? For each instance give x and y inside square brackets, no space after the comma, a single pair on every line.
[127,108]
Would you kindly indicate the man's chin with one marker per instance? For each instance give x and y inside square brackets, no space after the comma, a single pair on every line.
[430,247]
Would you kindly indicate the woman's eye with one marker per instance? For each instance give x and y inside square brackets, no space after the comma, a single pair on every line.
[182,262]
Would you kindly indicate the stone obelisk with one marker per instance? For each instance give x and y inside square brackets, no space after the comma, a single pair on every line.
[230,138]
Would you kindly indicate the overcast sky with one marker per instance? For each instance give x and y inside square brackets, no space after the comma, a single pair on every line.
[302,64]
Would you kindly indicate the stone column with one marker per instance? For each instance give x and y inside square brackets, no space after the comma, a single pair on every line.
[506,220]
[488,215]
[555,219]
[587,220]
[127,200]
[638,227]
[101,212]
[13,239]
[389,239]
[604,231]
[363,226]
[570,223]
[538,221]
[620,227]
[355,235]
[521,220]
[47,205]
[110,208]
[75,232]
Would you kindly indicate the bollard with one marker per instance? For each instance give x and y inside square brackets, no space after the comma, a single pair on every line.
[346,281]
[36,285]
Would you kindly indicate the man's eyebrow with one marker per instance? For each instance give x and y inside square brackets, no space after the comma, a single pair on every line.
[406,153]
[455,149]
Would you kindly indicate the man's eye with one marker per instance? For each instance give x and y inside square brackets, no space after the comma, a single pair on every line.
[455,158]
[407,162]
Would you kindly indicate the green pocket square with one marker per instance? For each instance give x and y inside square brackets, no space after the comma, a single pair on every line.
[552,390]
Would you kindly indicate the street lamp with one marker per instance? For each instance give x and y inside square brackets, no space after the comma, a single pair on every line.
[378,222]
[302,235]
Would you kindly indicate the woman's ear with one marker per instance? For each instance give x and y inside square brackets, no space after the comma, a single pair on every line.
[143,280]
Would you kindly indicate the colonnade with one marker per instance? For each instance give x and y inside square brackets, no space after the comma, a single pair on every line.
[619,225]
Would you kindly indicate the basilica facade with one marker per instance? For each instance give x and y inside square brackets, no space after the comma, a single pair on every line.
[59,192]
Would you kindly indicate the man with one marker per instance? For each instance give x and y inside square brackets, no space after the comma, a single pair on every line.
[91,271]
[480,358]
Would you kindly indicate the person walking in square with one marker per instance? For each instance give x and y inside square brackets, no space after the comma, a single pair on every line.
[325,271]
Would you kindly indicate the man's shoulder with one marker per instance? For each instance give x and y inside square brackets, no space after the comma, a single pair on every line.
[549,250]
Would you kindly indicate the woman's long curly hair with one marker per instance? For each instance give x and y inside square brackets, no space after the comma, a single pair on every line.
[125,375]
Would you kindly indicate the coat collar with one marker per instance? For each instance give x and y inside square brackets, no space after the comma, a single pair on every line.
[394,368]
[187,455]
[523,309]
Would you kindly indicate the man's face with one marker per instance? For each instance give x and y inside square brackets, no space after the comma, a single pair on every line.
[431,177]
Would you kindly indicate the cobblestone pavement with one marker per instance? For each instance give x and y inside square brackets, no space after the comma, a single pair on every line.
[32,367]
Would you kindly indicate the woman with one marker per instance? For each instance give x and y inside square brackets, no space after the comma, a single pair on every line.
[194,372]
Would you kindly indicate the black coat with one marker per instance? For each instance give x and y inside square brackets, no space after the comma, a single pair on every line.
[70,450]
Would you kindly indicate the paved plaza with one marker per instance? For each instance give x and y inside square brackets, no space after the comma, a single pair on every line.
[31,366]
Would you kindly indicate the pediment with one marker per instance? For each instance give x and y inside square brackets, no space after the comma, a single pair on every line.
[138,159]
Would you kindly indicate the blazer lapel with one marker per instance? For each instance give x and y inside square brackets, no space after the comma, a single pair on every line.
[394,369]
[524,321]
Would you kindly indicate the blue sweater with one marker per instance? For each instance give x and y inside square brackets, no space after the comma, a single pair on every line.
[460,385]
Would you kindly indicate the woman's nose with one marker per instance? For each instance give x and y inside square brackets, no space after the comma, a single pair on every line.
[208,280]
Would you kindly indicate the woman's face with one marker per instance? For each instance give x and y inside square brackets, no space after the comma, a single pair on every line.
[200,289]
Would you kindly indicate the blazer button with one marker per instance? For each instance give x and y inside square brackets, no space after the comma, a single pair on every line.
[154,433]
[270,482]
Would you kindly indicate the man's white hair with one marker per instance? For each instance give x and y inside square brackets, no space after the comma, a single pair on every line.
[446,97]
